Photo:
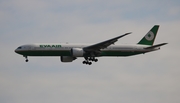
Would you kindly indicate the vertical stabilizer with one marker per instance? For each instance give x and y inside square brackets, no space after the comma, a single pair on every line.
[149,38]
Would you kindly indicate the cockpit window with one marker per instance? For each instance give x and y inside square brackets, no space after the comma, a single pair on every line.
[19,47]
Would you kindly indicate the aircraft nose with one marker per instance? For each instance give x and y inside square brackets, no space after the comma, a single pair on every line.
[16,50]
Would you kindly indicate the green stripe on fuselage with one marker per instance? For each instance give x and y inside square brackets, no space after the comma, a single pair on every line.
[68,53]
[46,53]
[118,53]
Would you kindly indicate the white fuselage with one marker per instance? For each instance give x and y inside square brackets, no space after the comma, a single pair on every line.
[64,49]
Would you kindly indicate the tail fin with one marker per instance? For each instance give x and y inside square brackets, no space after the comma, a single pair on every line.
[149,38]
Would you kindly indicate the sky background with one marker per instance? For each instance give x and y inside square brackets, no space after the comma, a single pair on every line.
[150,78]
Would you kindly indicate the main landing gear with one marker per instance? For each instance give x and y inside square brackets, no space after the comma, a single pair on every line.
[88,59]
[26,59]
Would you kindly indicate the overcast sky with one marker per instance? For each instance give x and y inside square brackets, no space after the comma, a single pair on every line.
[149,78]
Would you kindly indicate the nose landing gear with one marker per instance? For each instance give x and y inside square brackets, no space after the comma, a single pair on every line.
[26,59]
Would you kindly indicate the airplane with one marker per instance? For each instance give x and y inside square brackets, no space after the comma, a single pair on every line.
[69,52]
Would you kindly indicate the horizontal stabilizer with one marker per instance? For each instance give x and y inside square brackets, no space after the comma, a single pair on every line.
[154,46]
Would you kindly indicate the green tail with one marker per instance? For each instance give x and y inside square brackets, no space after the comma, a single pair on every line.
[149,38]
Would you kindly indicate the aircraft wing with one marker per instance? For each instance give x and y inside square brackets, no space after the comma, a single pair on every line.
[104,44]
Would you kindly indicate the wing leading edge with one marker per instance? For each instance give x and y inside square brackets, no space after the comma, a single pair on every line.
[104,44]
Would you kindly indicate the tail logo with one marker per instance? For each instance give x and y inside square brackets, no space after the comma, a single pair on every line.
[149,36]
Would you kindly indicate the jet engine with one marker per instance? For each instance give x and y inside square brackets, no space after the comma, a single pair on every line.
[67,58]
[77,52]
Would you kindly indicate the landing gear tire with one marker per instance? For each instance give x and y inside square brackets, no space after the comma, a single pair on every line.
[84,62]
[87,62]
[95,60]
[88,59]
[26,60]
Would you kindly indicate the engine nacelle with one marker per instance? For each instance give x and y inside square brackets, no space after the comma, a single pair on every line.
[77,52]
[67,58]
